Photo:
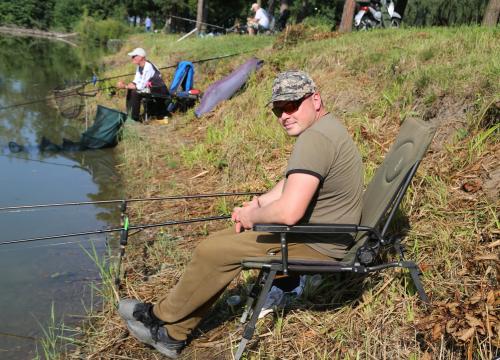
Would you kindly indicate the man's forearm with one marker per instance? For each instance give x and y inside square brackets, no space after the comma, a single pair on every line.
[275,212]
[272,195]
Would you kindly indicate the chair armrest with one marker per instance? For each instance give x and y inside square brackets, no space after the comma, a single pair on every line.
[283,230]
[311,228]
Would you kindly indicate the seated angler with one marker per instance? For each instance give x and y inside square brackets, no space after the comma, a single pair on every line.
[322,184]
[260,23]
[147,82]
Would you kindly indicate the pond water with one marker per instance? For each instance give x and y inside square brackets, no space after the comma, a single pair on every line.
[38,275]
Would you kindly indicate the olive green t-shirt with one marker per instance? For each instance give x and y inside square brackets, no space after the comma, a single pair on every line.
[325,150]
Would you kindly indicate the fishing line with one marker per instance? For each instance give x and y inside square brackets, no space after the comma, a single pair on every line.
[44,162]
[25,337]
[52,97]
[100,202]
[45,245]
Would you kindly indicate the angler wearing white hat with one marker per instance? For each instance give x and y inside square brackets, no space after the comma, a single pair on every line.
[260,23]
[147,81]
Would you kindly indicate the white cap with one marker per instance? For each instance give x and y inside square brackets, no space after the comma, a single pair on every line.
[137,52]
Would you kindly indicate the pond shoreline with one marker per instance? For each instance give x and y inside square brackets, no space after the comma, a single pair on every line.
[68,38]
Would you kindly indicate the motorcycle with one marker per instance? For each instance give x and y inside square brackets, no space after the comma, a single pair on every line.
[370,15]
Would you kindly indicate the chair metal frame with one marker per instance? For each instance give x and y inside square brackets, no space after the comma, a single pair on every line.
[362,257]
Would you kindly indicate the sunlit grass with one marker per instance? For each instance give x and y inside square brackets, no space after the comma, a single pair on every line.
[372,81]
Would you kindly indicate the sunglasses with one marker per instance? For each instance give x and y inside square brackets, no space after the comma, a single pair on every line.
[289,107]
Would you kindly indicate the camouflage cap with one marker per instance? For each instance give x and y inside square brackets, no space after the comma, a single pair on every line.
[292,85]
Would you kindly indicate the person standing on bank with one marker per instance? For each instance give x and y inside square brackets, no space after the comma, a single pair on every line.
[323,184]
[147,81]
[148,24]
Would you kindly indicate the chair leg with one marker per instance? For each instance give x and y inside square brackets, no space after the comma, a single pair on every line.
[415,276]
[268,277]
[251,297]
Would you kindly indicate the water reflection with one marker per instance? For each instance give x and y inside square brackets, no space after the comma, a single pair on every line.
[36,275]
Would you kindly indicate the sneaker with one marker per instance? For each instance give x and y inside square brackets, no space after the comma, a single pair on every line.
[147,328]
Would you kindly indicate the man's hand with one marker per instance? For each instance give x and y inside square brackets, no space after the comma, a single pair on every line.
[242,216]
[236,218]
[121,85]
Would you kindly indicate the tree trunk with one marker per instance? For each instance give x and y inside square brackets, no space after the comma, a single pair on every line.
[205,17]
[303,12]
[168,25]
[200,15]
[347,16]
[491,14]
[400,7]
[270,7]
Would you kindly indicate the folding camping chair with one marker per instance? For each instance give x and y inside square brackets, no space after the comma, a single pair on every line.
[181,94]
[181,89]
[380,202]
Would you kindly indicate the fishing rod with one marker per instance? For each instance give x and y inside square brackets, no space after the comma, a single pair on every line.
[195,21]
[57,97]
[94,81]
[125,227]
[115,201]
[43,161]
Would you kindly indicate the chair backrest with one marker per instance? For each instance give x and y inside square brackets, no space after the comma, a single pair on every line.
[388,186]
[183,78]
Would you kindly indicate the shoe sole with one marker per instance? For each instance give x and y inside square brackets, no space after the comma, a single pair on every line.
[141,333]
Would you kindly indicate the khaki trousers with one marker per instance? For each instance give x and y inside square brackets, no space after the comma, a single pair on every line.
[215,263]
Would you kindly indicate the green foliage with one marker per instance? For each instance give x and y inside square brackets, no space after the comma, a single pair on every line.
[444,12]
[318,13]
[26,13]
[67,13]
[100,31]
[319,23]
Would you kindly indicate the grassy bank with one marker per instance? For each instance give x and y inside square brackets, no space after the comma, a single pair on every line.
[372,81]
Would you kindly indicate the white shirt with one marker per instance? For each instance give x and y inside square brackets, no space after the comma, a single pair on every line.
[262,18]
[141,80]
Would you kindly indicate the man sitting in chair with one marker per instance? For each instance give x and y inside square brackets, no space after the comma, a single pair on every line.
[260,23]
[147,82]
[323,184]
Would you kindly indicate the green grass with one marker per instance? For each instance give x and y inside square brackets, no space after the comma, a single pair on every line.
[372,81]
[55,337]
[107,268]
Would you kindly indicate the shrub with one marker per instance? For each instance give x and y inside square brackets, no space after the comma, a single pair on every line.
[100,31]
[319,23]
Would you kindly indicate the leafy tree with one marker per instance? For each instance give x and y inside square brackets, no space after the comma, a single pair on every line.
[67,13]
[26,13]
[444,12]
